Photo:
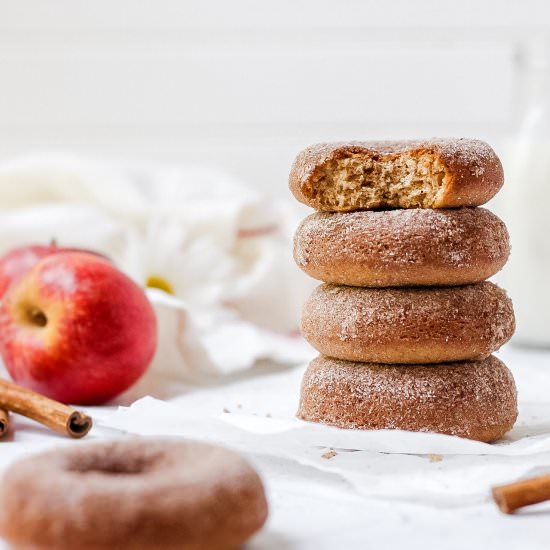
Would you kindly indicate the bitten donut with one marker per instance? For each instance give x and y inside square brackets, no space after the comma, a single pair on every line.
[402,247]
[136,494]
[408,325]
[436,173]
[476,400]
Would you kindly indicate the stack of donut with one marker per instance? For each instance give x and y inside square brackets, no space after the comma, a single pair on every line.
[405,321]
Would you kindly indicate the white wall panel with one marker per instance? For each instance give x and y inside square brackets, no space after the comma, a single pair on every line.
[162,14]
[244,84]
[165,85]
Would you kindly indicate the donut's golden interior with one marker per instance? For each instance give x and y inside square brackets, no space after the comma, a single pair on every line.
[361,180]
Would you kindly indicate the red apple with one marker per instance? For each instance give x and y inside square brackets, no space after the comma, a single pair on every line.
[18,261]
[76,329]
[15,263]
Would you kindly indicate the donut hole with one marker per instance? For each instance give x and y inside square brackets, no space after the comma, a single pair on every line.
[114,465]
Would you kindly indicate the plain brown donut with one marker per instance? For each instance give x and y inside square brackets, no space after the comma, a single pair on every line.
[402,247]
[476,400]
[408,325]
[136,494]
[361,175]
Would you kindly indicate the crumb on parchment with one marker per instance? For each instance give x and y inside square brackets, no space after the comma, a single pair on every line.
[329,454]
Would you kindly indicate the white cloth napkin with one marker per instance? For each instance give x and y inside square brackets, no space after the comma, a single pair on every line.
[222,247]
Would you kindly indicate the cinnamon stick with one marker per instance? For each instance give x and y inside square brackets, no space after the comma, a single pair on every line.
[522,493]
[57,416]
[4,422]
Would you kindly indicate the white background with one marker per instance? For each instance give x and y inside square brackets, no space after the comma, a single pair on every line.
[244,85]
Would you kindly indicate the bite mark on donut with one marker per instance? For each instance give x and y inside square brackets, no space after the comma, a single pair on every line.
[364,180]
[361,175]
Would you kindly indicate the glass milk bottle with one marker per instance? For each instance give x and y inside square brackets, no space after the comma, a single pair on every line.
[526,198]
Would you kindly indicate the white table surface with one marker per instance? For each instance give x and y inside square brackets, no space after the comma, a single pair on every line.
[315,509]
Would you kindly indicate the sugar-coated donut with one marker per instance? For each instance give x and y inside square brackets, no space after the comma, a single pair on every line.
[474,399]
[137,494]
[435,173]
[402,247]
[408,325]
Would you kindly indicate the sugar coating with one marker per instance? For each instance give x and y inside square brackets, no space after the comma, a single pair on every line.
[470,399]
[136,494]
[474,153]
[408,325]
[405,337]
[436,173]
[402,247]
